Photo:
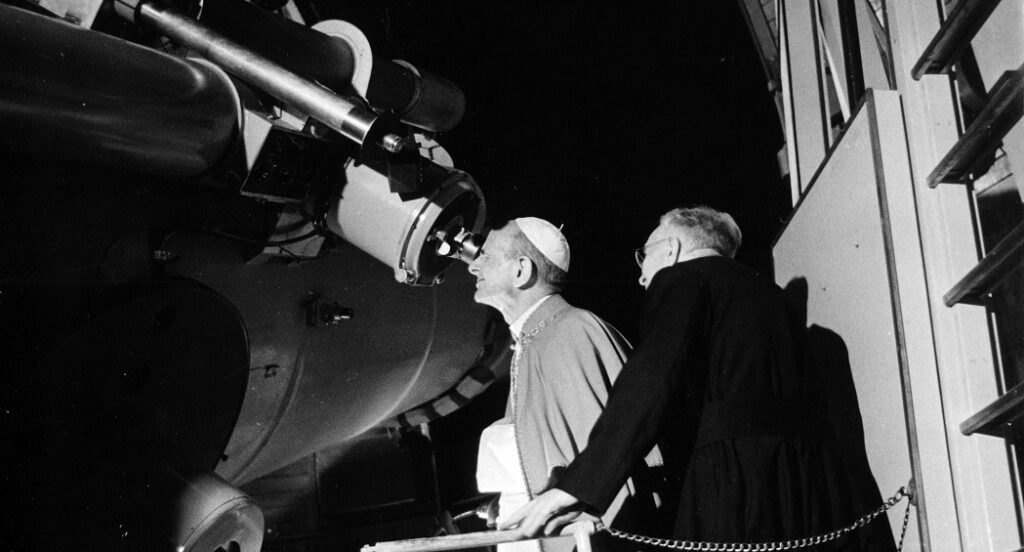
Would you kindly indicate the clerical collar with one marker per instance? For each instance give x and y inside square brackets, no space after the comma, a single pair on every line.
[516,327]
[698,253]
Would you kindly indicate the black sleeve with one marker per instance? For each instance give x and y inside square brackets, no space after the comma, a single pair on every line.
[652,378]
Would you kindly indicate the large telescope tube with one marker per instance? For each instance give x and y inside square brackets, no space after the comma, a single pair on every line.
[71,93]
[348,119]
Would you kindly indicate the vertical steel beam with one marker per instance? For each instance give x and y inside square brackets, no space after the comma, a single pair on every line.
[807,128]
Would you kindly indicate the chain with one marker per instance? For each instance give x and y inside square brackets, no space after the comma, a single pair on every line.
[906,518]
[768,546]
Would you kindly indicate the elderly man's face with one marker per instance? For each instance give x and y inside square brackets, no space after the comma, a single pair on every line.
[494,271]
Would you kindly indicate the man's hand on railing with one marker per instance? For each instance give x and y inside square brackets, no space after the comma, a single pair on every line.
[546,514]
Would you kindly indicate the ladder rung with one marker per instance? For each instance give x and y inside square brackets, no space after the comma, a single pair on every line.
[955,35]
[1003,110]
[979,282]
[1003,418]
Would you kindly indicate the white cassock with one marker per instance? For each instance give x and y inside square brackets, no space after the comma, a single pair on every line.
[498,470]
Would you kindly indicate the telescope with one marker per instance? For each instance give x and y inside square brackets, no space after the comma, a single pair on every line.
[225,231]
[253,103]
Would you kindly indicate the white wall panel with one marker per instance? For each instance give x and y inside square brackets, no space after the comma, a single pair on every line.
[835,241]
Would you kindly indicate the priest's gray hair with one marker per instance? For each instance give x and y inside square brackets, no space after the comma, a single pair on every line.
[707,228]
[547,273]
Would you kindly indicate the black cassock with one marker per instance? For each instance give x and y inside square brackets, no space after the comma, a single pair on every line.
[720,380]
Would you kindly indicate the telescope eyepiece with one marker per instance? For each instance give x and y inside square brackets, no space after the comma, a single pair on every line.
[463,245]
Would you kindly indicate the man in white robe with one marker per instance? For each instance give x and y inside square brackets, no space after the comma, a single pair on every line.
[564,363]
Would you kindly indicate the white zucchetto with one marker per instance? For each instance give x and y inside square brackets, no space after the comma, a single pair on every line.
[547,239]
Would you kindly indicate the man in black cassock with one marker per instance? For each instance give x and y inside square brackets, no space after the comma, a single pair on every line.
[721,383]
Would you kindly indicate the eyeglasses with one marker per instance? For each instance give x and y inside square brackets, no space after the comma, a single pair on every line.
[641,253]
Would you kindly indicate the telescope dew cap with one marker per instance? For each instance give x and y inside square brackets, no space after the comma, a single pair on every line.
[547,239]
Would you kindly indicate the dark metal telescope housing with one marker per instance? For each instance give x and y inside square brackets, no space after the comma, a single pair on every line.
[221,242]
[257,105]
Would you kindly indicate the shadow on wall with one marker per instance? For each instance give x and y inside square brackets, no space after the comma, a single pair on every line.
[829,362]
